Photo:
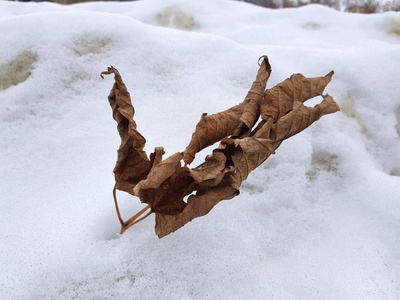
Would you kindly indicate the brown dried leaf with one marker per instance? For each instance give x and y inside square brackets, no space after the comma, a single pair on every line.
[167,197]
[237,120]
[254,97]
[132,163]
[279,100]
[198,205]
[252,151]
[159,172]
[163,184]
[212,129]
[301,117]
[211,169]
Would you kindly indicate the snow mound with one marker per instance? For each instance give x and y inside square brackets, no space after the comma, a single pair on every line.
[318,220]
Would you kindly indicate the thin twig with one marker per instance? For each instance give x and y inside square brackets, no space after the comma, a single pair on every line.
[132,220]
[138,220]
[116,206]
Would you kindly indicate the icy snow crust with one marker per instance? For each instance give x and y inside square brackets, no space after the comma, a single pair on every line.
[318,220]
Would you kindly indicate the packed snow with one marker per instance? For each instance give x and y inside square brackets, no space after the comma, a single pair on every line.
[320,219]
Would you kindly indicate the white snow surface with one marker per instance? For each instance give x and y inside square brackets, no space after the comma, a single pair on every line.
[320,219]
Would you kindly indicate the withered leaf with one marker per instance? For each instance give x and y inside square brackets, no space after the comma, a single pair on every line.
[301,117]
[212,129]
[198,205]
[168,197]
[236,121]
[251,110]
[279,100]
[132,163]
[164,184]
[159,172]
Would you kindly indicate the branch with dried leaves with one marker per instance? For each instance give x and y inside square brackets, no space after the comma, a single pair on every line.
[163,183]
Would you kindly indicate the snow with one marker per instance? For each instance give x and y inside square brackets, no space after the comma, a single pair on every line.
[318,220]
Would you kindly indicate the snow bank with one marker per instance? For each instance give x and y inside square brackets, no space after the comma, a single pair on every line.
[317,221]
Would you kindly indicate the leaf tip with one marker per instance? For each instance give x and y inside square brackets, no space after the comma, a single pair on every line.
[265,58]
[332,106]
[187,158]
[109,71]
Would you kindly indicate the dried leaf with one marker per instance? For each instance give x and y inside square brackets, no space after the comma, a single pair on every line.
[236,121]
[168,197]
[301,117]
[159,172]
[254,97]
[198,205]
[132,164]
[212,129]
[164,184]
[279,100]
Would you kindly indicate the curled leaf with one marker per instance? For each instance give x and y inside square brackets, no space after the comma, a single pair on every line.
[279,100]
[198,206]
[168,197]
[301,117]
[236,121]
[212,129]
[251,110]
[165,184]
[132,163]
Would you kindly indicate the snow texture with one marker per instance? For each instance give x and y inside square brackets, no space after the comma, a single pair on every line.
[318,220]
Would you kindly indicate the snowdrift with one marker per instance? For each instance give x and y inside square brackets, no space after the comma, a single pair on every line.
[318,220]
